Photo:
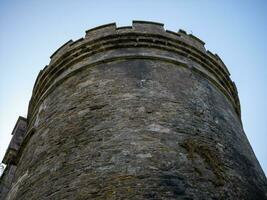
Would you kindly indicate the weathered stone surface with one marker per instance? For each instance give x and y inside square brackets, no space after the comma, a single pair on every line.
[140,121]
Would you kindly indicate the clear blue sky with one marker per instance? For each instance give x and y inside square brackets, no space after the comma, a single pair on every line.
[30,31]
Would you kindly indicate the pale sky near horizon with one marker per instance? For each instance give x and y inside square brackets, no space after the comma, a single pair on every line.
[30,31]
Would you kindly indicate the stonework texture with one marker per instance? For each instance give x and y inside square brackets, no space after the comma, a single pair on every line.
[134,113]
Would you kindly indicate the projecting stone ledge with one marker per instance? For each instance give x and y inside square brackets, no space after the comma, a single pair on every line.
[10,158]
[16,141]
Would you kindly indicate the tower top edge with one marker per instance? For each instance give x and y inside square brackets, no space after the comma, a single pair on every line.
[147,34]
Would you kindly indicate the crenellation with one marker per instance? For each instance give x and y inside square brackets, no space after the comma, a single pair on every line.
[60,50]
[82,48]
[219,62]
[192,40]
[124,29]
[212,55]
[132,112]
[148,27]
[76,42]
[197,42]
[182,32]
[197,39]
[100,31]
[173,34]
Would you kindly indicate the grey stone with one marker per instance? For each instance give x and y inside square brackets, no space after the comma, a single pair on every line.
[134,113]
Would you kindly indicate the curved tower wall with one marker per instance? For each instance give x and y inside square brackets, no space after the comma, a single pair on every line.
[135,112]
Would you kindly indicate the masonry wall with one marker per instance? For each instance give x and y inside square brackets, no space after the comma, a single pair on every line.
[6,180]
[135,113]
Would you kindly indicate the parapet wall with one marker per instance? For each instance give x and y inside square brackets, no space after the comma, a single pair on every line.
[141,34]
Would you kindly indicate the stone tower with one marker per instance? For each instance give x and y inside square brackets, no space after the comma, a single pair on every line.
[134,112]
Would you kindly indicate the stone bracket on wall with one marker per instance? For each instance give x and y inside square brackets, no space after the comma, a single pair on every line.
[11,155]
[16,141]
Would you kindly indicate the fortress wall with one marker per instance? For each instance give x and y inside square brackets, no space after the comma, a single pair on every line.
[135,112]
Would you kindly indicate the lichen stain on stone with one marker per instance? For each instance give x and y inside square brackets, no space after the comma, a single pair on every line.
[210,157]
[158,128]
[145,155]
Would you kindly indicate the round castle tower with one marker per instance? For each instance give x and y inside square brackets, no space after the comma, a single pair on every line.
[134,112]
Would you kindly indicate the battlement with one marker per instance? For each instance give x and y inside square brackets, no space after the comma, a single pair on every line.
[142,34]
[145,110]
[148,27]
[60,51]
[145,27]
[101,31]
